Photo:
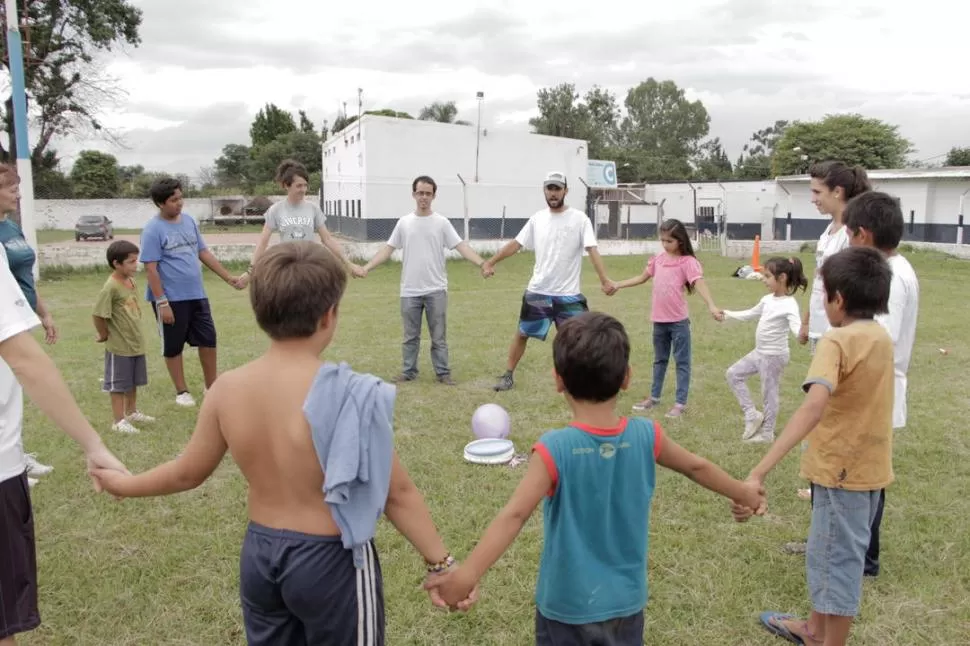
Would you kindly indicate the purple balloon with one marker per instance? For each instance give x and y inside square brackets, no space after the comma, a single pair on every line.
[491,421]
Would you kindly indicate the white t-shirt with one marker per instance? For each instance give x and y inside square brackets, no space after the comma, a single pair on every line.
[558,240]
[777,317]
[423,240]
[16,316]
[901,325]
[829,244]
[295,221]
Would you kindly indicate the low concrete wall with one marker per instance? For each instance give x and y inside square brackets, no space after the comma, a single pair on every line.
[743,248]
[85,255]
[73,255]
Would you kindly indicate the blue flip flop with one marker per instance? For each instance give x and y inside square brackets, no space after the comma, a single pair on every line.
[770,621]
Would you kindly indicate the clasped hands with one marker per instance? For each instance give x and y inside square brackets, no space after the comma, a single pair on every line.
[755,503]
[451,589]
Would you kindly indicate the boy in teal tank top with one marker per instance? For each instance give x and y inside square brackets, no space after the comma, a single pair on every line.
[597,477]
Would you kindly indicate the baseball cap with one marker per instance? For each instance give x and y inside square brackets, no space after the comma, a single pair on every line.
[555,178]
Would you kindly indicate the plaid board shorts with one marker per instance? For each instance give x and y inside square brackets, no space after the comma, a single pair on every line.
[540,311]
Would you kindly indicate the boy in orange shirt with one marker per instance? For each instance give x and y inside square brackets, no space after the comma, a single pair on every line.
[847,418]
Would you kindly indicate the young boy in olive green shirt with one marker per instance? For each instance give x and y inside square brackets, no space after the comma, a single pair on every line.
[117,319]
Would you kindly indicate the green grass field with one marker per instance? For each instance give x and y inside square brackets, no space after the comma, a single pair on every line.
[164,571]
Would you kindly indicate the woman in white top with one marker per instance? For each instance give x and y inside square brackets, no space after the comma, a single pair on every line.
[833,185]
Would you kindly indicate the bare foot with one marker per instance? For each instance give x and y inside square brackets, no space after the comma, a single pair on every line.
[799,628]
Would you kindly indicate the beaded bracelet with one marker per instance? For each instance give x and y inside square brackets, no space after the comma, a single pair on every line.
[442,565]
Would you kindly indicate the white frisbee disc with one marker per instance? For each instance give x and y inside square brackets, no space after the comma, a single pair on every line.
[489,451]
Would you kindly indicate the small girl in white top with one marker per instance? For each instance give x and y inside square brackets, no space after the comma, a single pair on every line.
[777,315]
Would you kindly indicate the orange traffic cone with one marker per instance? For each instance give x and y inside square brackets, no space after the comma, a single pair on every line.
[756,254]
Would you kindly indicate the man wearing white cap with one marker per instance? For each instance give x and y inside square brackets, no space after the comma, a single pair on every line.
[559,234]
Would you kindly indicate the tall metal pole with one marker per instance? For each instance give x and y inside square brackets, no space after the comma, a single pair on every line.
[478,137]
[18,95]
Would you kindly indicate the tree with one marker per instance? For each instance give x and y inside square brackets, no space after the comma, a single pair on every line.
[233,165]
[208,178]
[95,175]
[561,113]
[958,157]
[49,181]
[594,119]
[603,111]
[757,163]
[663,129]
[305,124]
[443,112]
[270,123]
[304,147]
[61,41]
[712,162]
[850,138]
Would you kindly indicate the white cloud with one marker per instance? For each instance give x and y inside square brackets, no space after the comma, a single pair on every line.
[194,84]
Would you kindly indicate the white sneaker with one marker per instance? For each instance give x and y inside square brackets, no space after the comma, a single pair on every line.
[185,399]
[124,426]
[753,426]
[35,468]
[31,482]
[761,438]
[139,416]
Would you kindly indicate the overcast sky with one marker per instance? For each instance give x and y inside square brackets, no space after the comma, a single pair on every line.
[206,66]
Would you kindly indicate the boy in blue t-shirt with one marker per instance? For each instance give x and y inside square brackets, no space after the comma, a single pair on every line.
[171,248]
[597,477]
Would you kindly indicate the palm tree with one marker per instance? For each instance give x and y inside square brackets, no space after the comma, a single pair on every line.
[442,112]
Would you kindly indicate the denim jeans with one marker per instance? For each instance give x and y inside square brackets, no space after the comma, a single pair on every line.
[836,553]
[435,308]
[666,337]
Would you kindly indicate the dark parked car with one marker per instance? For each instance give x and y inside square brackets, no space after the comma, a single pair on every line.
[94,226]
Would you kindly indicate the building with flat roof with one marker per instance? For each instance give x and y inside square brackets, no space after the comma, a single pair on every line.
[489,181]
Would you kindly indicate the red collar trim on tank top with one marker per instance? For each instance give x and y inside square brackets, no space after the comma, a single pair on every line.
[607,432]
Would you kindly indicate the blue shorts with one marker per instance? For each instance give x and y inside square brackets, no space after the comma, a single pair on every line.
[836,553]
[299,589]
[540,311]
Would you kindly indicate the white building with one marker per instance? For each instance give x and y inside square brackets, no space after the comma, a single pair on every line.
[369,166]
[933,202]
[745,208]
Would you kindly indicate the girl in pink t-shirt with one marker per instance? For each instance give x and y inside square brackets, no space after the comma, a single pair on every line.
[674,272]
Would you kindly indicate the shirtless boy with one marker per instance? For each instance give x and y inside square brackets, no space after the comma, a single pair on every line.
[281,417]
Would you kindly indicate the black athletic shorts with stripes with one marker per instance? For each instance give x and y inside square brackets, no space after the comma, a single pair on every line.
[303,590]
[18,559]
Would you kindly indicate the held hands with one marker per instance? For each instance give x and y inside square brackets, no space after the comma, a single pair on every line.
[105,469]
[715,312]
[610,287]
[451,589]
[488,270]
[803,335]
[238,282]
[357,271]
[754,503]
